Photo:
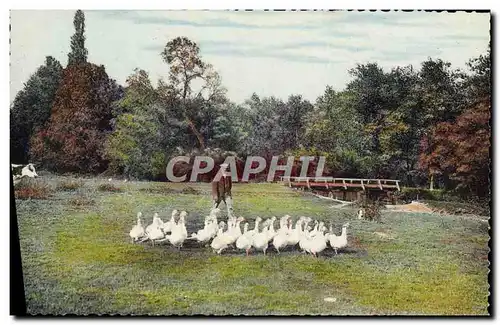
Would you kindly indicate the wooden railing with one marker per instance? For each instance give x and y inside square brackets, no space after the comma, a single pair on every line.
[341,182]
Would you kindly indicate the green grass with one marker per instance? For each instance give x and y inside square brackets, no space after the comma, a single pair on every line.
[77,258]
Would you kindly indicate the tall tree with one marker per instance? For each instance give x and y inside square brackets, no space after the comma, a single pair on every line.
[478,84]
[31,107]
[373,99]
[228,130]
[441,92]
[336,130]
[78,52]
[73,139]
[265,138]
[335,124]
[403,126]
[186,70]
[273,125]
[293,117]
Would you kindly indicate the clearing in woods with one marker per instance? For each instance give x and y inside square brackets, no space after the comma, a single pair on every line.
[77,257]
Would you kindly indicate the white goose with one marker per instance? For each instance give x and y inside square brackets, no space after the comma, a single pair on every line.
[261,239]
[179,232]
[212,228]
[304,235]
[294,237]
[318,243]
[205,234]
[281,238]
[270,230]
[315,230]
[255,230]
[284,221]
[310,235]
[153,231]
[244,241]
[220,241]
[138,230]
[338,242]
[284,225]
[167,226]
[235,232]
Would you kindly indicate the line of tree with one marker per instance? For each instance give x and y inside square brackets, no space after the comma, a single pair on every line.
[427,126]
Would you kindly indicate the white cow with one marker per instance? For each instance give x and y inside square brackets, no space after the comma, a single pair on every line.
[27,171]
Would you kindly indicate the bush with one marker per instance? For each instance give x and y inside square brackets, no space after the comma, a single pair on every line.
[29,188]
[106,187]
[372,210]
[69,185]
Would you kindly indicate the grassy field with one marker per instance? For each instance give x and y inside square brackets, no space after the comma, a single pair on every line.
[77,257]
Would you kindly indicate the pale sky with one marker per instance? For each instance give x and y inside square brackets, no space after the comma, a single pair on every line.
[270,53]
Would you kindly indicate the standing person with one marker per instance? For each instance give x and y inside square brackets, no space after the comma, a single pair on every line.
[221,189]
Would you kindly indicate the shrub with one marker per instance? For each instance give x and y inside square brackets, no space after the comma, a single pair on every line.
[29,188]
[106,187]
[372,210]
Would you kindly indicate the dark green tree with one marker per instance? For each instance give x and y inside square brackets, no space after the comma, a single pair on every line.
[135,146]
[292,120]
[478,84]
[227,130]
[31,107]
[265,138]
[373,99]
[78,52]
[441,92]
[335,129]
[403,126]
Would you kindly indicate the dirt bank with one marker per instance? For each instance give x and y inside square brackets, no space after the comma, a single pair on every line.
[411,207]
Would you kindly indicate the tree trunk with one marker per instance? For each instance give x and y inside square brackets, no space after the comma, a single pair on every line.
[432,183]
[198,135]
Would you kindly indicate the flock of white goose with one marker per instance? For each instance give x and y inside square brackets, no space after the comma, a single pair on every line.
[220,236]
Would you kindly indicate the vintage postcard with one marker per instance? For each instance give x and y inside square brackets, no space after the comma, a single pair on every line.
[251,162]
